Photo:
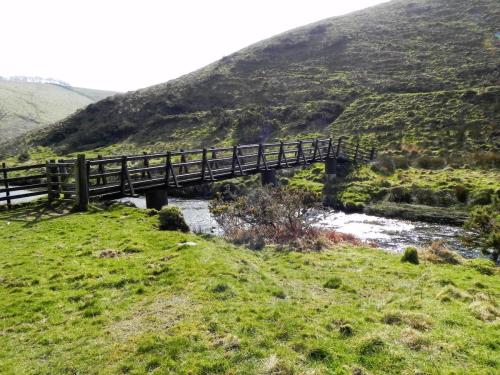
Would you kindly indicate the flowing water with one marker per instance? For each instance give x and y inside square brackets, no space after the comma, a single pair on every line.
[390,234]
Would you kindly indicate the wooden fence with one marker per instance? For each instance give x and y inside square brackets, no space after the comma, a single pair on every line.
[118,176]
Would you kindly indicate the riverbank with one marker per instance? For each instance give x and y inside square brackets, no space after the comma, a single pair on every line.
[107,292]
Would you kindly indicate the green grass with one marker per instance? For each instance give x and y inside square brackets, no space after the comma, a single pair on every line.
[460,188]
[107,292]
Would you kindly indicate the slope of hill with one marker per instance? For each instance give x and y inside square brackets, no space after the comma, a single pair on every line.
[26,106]
[301,81]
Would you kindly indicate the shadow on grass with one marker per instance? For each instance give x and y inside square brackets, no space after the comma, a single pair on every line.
[34,212]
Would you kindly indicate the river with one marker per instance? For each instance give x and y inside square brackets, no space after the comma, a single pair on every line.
[390,234]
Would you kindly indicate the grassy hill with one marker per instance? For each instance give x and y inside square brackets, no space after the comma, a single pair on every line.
[425,53]
[26,106]
[107,288]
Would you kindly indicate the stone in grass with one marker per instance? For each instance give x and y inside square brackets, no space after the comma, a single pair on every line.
[171,218]
[410,255]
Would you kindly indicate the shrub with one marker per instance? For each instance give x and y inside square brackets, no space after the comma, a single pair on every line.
[171,218]
[400,162]
[23,157]
[384,164]
[410,255]
[268,215]
[445,198]
[400,194]
[424,196]
[484,228]
[461,193]
[482,197]
[430,162]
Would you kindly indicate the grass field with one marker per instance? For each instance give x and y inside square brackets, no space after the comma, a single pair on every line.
[107,292]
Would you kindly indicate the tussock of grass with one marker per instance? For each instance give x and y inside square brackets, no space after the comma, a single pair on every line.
[438,253]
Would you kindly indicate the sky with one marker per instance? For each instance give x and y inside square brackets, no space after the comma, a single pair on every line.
[124,45]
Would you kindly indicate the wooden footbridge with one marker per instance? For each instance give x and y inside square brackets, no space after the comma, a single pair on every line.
[112,177]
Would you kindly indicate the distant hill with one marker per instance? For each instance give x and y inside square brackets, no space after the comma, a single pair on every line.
[429,66]
[29,103]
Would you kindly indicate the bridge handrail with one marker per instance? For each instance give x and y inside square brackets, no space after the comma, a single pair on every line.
[126,174]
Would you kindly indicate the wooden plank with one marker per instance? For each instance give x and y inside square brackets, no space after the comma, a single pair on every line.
[26,195]
[10,189]
[22,168]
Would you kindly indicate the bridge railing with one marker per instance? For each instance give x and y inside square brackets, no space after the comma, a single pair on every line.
[21,182]
[114,176]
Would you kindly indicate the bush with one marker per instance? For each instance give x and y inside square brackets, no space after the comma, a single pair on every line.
[461,193]
[484,228]
[410,255]
[23,157]
[424,196]
[268,215]
[400,194]
[481,197]
[430,162]
[384,164]
[171,218]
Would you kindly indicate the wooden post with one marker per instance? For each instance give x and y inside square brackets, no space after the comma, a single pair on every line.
[51,180]
[236,160]
[372,153]
[168,166]
[339,143]
[122,175]
[317,150]
[356,152]
[330,145]
[64,185]
[101,169]
[145,164]
[214,164]
[6,184]
[259,156]
[183,160]
[82,183]
[203,164]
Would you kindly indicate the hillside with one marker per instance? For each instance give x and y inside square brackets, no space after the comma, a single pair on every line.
[108,288]
[301,81]
[26,106]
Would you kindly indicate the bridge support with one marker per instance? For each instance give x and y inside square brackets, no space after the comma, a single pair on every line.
[268,177]
[156,199]
[330,181]
[335,170]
